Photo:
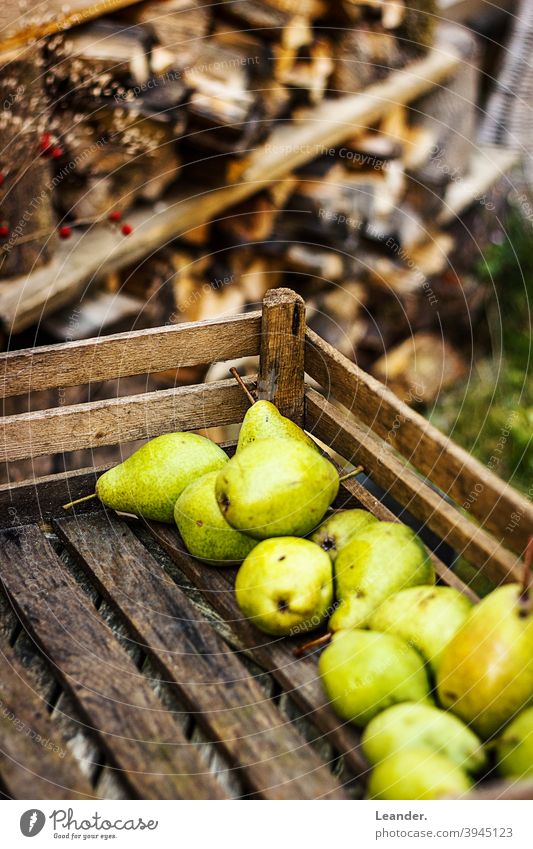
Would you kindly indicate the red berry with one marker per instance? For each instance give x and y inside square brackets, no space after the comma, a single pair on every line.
[115,215]
[57,152]
[126,229]
[2,178]
[46,141]
[65,232]
[4,230]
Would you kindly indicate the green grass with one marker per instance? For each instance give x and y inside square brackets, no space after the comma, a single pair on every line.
[491,414]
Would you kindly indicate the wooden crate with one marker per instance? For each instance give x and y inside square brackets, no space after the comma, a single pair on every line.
[126,667]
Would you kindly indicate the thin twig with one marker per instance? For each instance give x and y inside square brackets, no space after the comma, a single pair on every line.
[299,651]
[352,474]
[240,381]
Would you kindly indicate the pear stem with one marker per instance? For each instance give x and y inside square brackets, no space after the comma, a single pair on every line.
[79,501]
[240,381]
[352,474]
[299,651]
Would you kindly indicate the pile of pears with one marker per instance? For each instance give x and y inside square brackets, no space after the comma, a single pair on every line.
[442,688]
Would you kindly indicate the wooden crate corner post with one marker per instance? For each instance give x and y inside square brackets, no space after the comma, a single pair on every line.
[281,364]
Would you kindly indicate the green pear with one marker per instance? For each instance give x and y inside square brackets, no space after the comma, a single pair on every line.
[425,617]
[514,748]
[486,670]
[149,482]
[417,773]
[340,529]
[263,420]
[412,724]
[204,529]
[276,487]
[285,585]
[383,558]
[364,672]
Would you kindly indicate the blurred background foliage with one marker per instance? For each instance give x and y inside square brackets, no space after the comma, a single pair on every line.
[491,414]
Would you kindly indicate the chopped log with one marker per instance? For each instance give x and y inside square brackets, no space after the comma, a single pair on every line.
[26,211]
[101,50]
[420,368]
[291,28]
[100,250]
[310,74]
[364,55]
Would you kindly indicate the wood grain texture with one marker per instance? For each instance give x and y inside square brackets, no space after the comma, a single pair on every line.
[449,467]
[124,354]
[44,18]
[298,677]
[140,737]
[40,499]
[215,685]
[281,364]
[338,429]
[121,420]
[35,762]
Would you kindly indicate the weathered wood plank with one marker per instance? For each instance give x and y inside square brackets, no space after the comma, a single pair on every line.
[121,420]
[501,509]
[35,762]
[339,430]
[214,684]
[142,740]
[298,677]
[20,26]
[125,354]
[281,364]
[99,251]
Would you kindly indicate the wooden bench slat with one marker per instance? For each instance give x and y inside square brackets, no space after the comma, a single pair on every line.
[338,429]
[211,680]
[496,504]
[35,762]
[121,420]
[298,677]
[141,738]
[126,354]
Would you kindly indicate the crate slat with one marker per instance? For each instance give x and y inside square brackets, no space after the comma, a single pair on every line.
[211,680]
[298,677]
[339,430]
[120,420]
[35,762]
[126,354]
[140,737]
[448,466]
[281,373]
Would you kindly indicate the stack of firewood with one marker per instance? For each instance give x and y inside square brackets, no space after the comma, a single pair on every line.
[183,91]
[127,99]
